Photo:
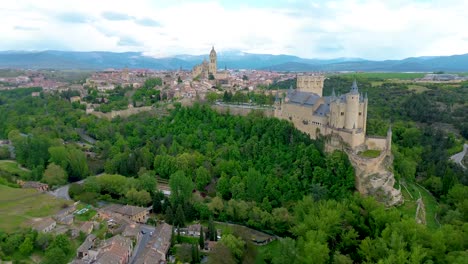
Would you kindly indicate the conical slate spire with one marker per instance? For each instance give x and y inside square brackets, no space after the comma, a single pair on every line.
[354,88]
[333,93]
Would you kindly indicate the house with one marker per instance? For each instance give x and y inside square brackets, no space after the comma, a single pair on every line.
[157,248]
[83,251]
[87,227]
[66,220]
[44,225]
[41,187]
[132,231]
[194,230]
[134,213]
[115,250]
[210,245]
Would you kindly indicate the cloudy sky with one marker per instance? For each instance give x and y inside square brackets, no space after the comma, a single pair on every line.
[370,29]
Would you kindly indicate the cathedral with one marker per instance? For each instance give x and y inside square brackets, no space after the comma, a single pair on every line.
[205,68]
[311,112]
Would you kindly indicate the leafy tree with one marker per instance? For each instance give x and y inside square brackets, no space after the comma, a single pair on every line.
[169,215]
[54,175]
[286,252]
[202,178]
[141,198]
[235,245]
[54,255]
[181,188]
[179,217]
[26,247]
[158,199]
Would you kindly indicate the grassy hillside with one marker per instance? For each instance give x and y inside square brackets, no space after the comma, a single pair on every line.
[19,205]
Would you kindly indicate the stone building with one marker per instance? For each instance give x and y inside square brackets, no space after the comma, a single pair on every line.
[342,119]
[314,114]
[206,67]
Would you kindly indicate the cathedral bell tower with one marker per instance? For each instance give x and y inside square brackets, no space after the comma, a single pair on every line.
[213,65]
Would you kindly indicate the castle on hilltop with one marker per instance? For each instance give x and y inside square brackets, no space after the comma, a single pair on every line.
[341,119]
[315,114]
[206,68]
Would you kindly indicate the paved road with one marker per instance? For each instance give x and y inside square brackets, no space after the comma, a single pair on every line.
[459,156]
[139,247]
[62,192]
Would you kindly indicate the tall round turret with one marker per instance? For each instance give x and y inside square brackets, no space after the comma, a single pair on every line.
[213,61]
[352,107]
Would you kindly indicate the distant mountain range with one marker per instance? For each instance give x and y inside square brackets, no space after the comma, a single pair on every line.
[231,59]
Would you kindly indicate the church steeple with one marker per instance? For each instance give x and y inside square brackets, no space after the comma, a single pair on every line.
[354,88]
[333,93]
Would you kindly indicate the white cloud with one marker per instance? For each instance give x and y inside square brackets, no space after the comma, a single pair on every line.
[314,29]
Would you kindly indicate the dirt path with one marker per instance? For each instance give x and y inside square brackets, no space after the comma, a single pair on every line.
[458,158]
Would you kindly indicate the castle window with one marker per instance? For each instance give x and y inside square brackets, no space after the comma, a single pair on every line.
[342,113]
[360,113]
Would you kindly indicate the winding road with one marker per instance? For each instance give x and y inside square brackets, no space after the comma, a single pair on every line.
[458,158]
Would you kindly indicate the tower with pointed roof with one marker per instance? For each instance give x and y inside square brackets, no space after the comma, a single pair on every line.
[352,107]
[213,64]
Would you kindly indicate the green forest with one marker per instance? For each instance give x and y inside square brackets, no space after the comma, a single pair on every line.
[260,172]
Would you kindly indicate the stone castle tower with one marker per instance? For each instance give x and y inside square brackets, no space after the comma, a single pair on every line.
[213,65]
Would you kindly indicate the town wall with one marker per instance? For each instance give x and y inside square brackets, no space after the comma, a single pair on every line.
[122,113]
[233,110]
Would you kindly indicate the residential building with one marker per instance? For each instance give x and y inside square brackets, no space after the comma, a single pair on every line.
[87,227]
[157,248]
[133,213]
[44,225]
[115,250]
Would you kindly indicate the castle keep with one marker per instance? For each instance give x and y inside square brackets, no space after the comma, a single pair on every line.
[314,114]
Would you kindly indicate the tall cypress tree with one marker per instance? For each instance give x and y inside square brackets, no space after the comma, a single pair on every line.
[201,239]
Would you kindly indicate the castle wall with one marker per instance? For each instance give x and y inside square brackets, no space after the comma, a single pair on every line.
[353,139]
[378,143]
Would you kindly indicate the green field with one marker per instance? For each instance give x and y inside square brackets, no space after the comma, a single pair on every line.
[409,207]
[19,205]
[385,75]
[12,167]
[417,88]
[370,153]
